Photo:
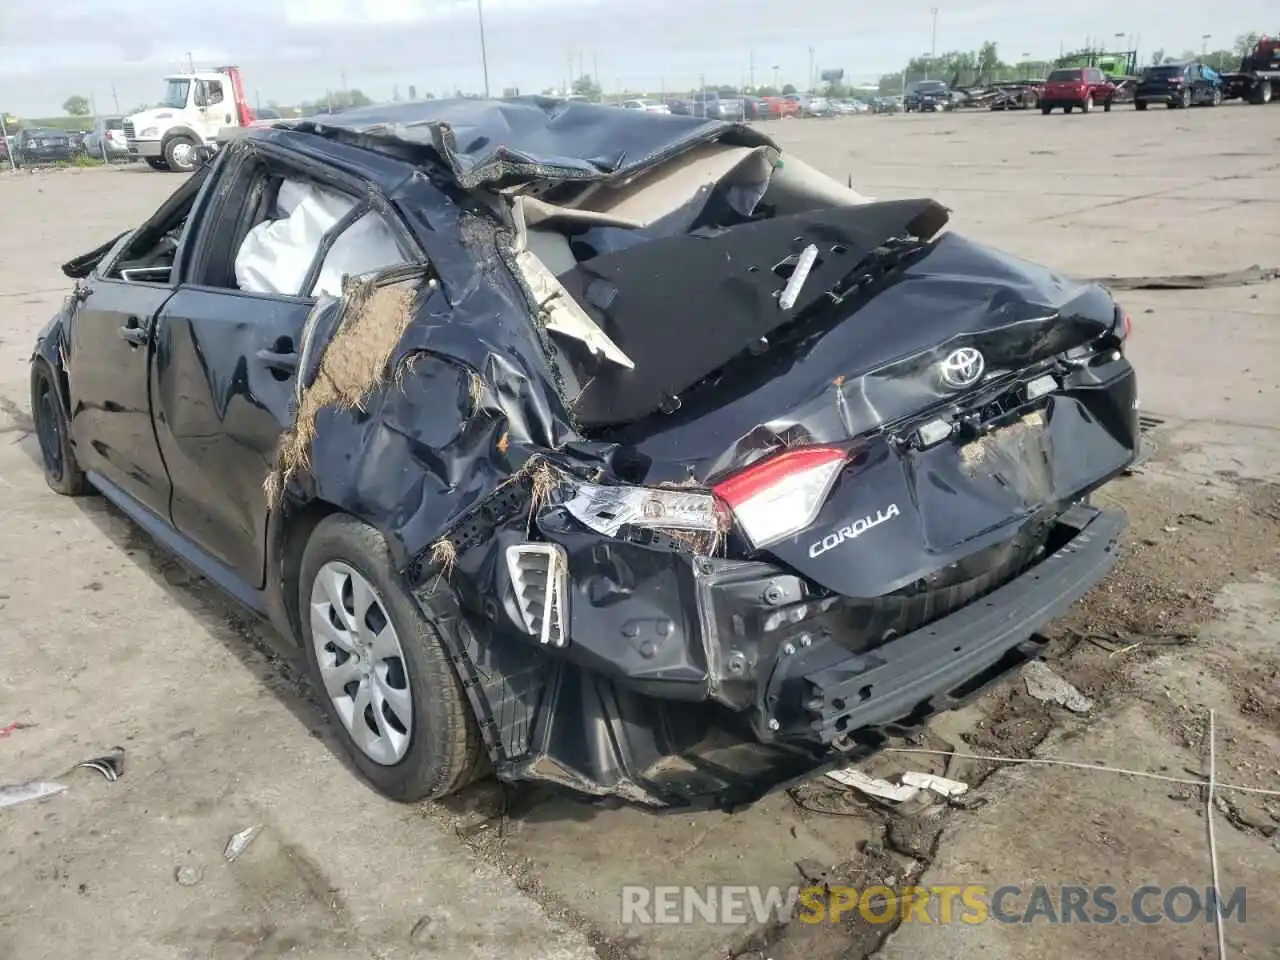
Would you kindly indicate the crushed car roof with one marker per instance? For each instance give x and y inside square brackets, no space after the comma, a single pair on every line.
[522,138]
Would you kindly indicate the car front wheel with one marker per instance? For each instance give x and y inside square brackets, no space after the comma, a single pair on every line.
[61,470]
[1087,105]
[382,666]
[1185,100]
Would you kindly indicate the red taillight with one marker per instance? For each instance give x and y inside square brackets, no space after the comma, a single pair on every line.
[783,494]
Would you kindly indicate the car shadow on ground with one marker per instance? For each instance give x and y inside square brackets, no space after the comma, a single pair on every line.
[279,666]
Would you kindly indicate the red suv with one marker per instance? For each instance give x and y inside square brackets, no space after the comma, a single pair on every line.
[1076,87]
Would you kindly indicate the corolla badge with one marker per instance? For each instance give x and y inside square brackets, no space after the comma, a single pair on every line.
[962,368]
[855,529]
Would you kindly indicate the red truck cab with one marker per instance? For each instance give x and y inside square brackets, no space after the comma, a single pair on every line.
[1071,87]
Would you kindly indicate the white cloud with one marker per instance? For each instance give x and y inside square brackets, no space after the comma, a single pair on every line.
[295,49]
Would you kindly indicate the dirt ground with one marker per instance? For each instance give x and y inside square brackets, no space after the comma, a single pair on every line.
[106,641]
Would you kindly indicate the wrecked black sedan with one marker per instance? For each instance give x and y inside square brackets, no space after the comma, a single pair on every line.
[612,450]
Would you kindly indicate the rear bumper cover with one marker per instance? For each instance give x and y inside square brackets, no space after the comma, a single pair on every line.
[822,693]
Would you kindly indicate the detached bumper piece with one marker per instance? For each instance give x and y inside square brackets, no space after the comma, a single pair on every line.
[823,694]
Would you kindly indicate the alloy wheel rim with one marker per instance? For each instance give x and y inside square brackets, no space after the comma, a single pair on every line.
[182,154]
[362,663]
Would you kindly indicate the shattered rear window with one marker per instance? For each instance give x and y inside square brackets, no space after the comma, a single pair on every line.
[1064,76]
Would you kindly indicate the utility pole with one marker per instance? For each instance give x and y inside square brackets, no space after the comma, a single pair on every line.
[343,77]
[777,89]
[595,72]
[811,70]
[115,98]
[933,36]
[484,53]
[751,71]
[191,64]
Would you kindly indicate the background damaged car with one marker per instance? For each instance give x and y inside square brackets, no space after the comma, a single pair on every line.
[608,449]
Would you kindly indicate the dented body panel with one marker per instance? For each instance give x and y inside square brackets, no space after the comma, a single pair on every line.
[583,343]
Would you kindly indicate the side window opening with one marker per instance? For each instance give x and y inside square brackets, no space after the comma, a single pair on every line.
[301,238]
[148,256]
[213,92]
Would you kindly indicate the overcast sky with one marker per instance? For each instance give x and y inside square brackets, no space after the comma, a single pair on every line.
[295,49]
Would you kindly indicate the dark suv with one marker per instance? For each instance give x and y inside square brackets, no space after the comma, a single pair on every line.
[1179,85]
[1073,87]
[927,95]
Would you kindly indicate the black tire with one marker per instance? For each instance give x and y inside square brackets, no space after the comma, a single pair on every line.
[1046,109]
[1067,109]
[1261,93]
[61,469]
[1086,105]
[156,163]
[445,751]
[1106,106]
[1184,100]
[1139,104]
[1217,97]
[179,154]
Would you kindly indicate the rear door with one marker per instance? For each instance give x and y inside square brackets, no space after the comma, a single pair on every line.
[227,343]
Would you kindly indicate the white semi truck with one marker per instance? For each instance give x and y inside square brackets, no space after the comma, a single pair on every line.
[196,108]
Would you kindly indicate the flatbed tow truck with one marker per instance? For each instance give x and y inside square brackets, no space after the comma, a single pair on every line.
[196,108]
[1258,79]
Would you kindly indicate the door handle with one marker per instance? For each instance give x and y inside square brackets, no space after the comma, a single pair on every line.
[278,361]
[134,332]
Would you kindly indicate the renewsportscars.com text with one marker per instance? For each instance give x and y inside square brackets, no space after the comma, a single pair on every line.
[943,904]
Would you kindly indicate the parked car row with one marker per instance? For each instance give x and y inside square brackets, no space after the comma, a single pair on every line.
[720,106]
[35,145]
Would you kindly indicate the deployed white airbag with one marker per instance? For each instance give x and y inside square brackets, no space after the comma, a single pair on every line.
[277,254]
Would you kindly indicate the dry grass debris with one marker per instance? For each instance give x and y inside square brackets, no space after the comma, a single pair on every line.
[355,361]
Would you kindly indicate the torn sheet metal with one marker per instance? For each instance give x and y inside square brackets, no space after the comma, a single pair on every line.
[492,141]
[12,794]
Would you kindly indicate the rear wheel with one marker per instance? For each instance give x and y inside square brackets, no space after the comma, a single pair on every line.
[1217,97]
[1068,108]
[61,470]
[386,677]
[1046,109]
[1262,92]
[1106,106]
[157,163]
[1139,104]
[1184,100]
